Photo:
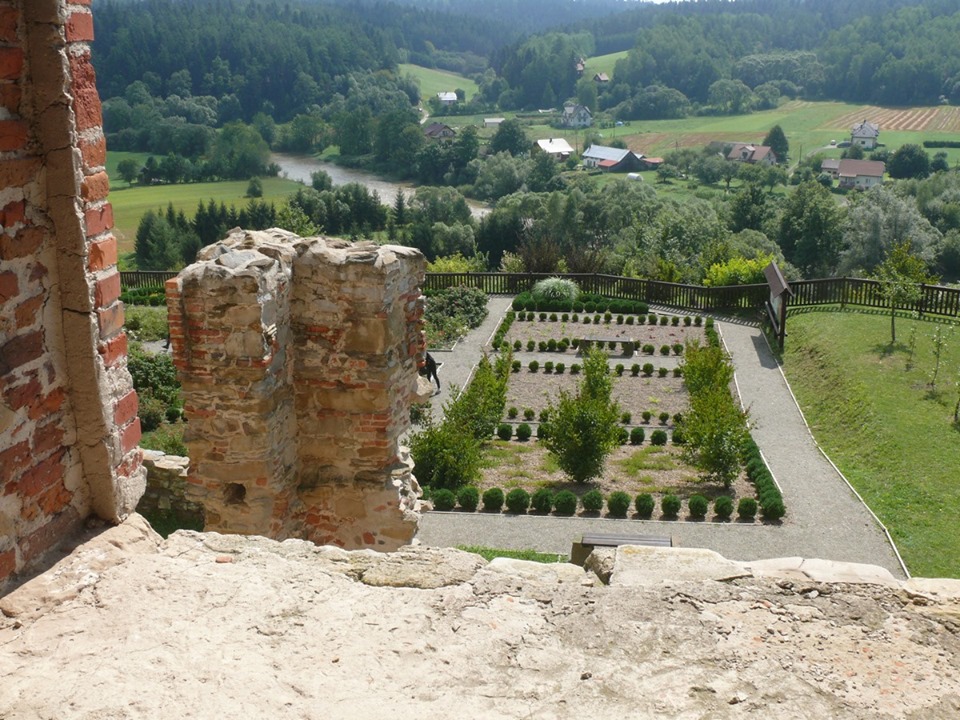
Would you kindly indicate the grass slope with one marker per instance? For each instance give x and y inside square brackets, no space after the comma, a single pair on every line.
[875,414]
[434,81]
[130,204]
[603,64]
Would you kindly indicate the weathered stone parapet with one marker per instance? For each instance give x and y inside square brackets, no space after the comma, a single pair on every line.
[167,487]
[298,359]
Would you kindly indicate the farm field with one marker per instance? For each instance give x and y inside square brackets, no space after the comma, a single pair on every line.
[434,81]
[873,410]
[603,63]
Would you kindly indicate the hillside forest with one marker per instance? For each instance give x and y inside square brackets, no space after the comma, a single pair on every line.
[208,88]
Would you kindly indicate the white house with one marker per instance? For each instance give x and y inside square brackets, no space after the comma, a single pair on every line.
[865,134]
[575,116]
[558,148]
[860,174]
[752,154]
[447,98]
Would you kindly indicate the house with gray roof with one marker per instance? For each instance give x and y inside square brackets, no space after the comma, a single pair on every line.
[865,134]
[610,159]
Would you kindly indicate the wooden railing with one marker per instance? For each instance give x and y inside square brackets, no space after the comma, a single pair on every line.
[934,299]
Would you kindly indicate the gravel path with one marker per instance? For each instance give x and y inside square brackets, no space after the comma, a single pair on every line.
[826,519]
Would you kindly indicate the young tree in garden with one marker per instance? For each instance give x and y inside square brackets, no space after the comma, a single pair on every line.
[582,428]
[777,141]
[510,138]
[900,275]
[811,228]
[128,169]
[909,161]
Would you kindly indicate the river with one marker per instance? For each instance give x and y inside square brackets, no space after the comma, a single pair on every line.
[300,167]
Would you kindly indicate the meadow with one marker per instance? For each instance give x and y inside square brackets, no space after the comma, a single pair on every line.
[434,81]
[874,410]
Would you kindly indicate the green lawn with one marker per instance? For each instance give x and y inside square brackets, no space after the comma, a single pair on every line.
[891,433]
[434,81]
[129,204]
[603,64]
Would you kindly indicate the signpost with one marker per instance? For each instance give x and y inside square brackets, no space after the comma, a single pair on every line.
[777,303]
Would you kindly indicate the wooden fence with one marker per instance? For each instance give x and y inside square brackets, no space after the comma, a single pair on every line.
[934,299]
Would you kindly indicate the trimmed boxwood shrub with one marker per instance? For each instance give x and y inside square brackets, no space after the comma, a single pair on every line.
[504,431]
[544,415]
[630,319]
[563,344]
[623,436]
[678,348]
[542,431]
[518,500]
[543,317]
[635,369]
[596,319]
[517,345]
[619,319]
[542,346]
[723,507]
[648,349]
[607,317]
[625,418]
[534,366]
[548,366]
[644,505]
[619,369]
[664,417]
[592,501]
[551,345]
[664,320]
[687,320]
[698,321]
[565,503]
[528,413]
[586,320]
[468,498]
[553,317]
[512,412]
[658,437]
[652,319]
[662,372]
[647,369]
[559,368]
[646,415]
[618,504]
[747,508]
[678,371]
[678,437]
[531,345]
[664,349]
[542,500]
[523,432]
[698,505]
[516,365]
[443,499]
[636,436]
[493,499]
[575,369]
[670,506]
[675,320]
[773,510]
[565,317]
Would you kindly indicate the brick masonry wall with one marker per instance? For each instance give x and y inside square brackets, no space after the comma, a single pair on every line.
[298,360]
[68,413]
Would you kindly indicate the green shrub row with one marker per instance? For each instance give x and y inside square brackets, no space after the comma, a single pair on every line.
[585,302]
[563,344]
[771,500]
[503,329]
[551,367]
[607,318]
[565,503]
[144,296]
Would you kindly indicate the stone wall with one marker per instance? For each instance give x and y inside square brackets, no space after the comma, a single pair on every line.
[166,494]
[298,360]
[68,425]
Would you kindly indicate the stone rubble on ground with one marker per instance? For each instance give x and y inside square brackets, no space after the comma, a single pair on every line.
[209,626]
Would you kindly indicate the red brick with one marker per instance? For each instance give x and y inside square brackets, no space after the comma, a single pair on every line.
[99,220]
[10,97]
[126,409]
[130,436]
[95,187]
[103,254]
[79,27]
[46,538]
[8,563]
[9,17]
[12,213]
[12,461]
[41,476]
[11,63]
[82,2]
[130,464]
[47,405]
[18,172]
[113,350]
[24,243]
[26,312]
[9,286]
[13,135]
[110,319]
[20,396]
[94,152]
[106,291]
[20,350]
[54,499]
[47,437]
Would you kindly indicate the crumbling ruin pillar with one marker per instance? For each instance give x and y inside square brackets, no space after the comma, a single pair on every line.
[298,363]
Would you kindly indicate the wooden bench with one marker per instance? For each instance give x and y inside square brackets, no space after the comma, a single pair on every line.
[584,545]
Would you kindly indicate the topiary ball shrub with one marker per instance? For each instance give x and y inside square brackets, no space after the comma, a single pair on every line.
[687,320]
[619,319]
[589,307]
[586,320]
[565,317]
[698,321]
[544,415]
[592,501]
[662,372]
[747,509]
[607,317]
[531,345]
[773,510]
[575,369]
[516,365]
[543,317]
[636,436]
[517,345]
[443,499]
[618,504]
[552,345]
[658,437]
[644,505]
[664,320]
[670,506]
[548,367]
[504,431]
[468,498]
[630,319]
[623,436]
[651,319]
[542,346]
[534,366]
[574,318]
[647,369]
[625,418]
[675,320]
[698,505]
[664,349]
[619,369]
[553,317]
[678,348]
[635,369]
[596,319]
[518,500]
[664,417]
[565,503]
[646,415]
[493,500]
[678,371]
[523,432]
[559,368]
[648,349]
[542,500]
[512,412]
[543,431]
[528,413]
[678,437]
[723,507]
